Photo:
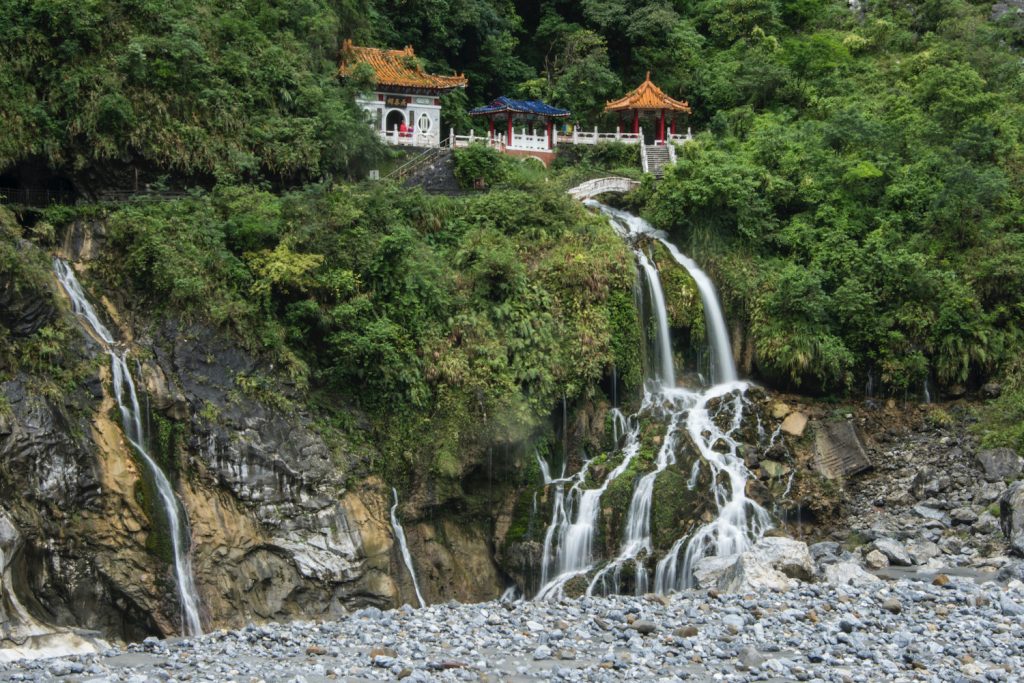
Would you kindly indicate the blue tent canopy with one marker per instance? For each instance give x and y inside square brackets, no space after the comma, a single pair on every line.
[505,105]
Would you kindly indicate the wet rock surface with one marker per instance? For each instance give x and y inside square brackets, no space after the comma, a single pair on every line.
[905,631]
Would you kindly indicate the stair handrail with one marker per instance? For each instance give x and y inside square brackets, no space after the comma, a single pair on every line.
[643,155]
[417,162]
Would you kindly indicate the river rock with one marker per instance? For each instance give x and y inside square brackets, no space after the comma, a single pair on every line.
[708,570]
[876,560]
[849,574]
[986,524]
[795,424]
[752,573]
[964,515]
[787,555]
[1011,516]
[772,469]
[988,492]
[999,464]
[991,390]
[932,514]
[750,658]
[923,550]
[928,482]
[826,552]
[893,550]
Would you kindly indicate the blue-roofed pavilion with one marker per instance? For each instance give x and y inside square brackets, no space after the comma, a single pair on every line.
[531,110]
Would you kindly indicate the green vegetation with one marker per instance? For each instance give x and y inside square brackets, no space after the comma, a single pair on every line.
[481,165]
[855,190]
[858,189]
[198,88]
[1002,420]
[453,324]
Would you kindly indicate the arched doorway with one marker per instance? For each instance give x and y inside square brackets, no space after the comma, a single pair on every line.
[395,119]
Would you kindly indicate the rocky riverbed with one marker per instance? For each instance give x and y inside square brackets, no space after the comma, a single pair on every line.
[832,630]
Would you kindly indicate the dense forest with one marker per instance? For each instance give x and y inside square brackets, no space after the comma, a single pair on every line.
[855,188]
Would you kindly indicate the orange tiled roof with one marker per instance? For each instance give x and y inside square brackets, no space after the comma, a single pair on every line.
[647,96]
[395,68]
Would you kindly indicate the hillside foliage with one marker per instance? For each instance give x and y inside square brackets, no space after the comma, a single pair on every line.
[855,188]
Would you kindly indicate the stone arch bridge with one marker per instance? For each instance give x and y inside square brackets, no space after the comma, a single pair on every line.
[597,186]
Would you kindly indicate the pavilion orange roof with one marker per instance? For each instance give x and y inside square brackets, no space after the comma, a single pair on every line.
[395,68]
[647,96]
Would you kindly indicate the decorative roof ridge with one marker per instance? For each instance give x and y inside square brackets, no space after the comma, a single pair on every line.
[647,95]
[395,68]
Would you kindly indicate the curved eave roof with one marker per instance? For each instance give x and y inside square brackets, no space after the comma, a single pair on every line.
[649,97]
[505,105]
[395,68]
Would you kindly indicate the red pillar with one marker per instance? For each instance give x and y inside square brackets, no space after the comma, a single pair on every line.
[508,140]
[636,121]
[490,120]
[661,126]
[551,128]
[673,124]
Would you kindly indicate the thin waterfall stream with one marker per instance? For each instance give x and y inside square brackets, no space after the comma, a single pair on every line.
[396,526]
[132,425]
[709,418]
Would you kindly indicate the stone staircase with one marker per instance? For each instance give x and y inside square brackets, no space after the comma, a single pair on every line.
[656,158]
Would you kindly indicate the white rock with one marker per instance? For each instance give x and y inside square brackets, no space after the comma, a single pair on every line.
[787,555]
[849,574]
[708,570]
[752,573]
[894,550]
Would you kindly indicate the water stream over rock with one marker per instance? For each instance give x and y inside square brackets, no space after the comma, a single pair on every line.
[708,419]
[404,547]
[132,424]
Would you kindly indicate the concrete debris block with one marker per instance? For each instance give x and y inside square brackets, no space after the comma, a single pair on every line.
[839,450]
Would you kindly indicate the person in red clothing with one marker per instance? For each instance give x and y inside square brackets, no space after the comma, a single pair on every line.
[403,130]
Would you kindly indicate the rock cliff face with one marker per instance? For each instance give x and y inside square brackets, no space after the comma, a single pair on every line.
[286,519]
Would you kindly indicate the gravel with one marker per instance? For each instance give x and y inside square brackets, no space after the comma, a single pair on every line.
[905,630]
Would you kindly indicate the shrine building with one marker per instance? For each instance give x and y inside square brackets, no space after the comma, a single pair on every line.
[405,106]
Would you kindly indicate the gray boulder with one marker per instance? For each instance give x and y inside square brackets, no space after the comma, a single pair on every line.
[893,550]
[999,464]
[769,564]
[923,550]
[708,570]
[1011,516]
[752,573]
[928,482]
[789,556]
[850,574]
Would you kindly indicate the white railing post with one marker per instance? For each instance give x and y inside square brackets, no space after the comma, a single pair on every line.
[574,134]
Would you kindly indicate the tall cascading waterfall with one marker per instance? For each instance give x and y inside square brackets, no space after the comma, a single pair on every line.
[132,424]
[568,551]
[396,526]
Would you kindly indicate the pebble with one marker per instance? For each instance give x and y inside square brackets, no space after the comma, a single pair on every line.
[900,630]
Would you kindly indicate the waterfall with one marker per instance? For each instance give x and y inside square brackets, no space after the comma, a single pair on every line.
[568,543]
[723,369]
[404,547]
[131,420]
